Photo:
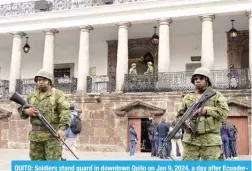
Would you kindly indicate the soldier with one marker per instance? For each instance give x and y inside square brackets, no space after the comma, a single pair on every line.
[206,143]
[133,70]
[55,107]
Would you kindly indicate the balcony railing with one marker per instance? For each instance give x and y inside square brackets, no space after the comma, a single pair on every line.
[181,81]
[159,82]
[101,83]
[24,8]
[67,85]
[4,87]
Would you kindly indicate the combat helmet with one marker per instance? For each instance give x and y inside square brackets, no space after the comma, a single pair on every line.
[45,74]
[202,71]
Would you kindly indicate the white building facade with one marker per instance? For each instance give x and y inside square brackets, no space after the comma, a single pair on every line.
[95,42]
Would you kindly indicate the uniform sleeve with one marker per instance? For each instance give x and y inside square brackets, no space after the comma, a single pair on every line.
[64,112]
[220,111]
[21,111]
[182,108]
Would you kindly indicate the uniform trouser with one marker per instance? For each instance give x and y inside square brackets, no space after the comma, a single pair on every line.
[232,145]
[193,152]
[66,154]
[176,142]
[45,150]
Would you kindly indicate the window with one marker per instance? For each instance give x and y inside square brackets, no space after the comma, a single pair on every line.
[190,67]
[64,70]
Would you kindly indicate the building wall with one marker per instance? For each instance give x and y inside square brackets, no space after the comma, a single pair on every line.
[185,41]
[104,128]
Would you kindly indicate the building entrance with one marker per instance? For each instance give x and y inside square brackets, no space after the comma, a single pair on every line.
[145,142]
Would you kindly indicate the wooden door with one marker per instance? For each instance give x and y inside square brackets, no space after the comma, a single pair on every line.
[137,122]
[242,142]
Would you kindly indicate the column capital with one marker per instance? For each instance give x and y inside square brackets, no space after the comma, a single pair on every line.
[207,17]
[249,14]
[86,28]
[18,34]
[50,31]
[165,21]
[124,24]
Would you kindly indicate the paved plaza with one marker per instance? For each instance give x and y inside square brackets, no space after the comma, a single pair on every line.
[7,155]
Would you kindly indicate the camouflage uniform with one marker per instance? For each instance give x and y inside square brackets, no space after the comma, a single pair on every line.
[55,107]
[206,143]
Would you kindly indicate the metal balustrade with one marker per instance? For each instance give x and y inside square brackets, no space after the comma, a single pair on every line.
[67,85]
[181,81]
[101,83]
[158,82]
[4,87]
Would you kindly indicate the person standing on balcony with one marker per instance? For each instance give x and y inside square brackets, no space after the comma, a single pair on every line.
[206,143]
[150,70]
[133,71]
[55,107]
[233,77]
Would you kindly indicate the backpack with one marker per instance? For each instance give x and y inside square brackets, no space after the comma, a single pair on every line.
[76,124]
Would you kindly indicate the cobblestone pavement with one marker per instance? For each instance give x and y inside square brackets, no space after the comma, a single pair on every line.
[7,155]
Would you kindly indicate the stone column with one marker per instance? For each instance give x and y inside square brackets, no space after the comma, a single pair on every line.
[164,45]
[16,57]
[48,59]
[122,55]
[249,14]
[207,46]
[83,60]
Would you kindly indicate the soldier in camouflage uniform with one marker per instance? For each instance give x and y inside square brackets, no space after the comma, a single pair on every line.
[55,107]
[206,143]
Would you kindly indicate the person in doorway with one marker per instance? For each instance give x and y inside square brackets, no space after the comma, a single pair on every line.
[162,130]
[225,140]
[206,143]
[54,106]
[232,141]
[70,136]
[133,139]
[176,141]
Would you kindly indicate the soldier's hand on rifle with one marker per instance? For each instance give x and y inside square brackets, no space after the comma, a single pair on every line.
[61,134]
[203,111]
[31,111]
[187,123]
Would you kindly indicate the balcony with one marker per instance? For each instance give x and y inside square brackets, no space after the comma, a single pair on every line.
[67,85]
[159,82]
[31,7]
[181,81]
[101,83]
[4,87]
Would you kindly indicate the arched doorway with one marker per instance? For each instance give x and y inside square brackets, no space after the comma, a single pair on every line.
[238,51]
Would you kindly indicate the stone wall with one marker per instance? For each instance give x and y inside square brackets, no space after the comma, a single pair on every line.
[105,118]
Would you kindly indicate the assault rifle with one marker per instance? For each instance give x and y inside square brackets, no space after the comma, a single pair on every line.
[190,113]
[18,99]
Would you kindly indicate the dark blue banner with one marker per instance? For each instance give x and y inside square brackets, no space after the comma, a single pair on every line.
[131,165]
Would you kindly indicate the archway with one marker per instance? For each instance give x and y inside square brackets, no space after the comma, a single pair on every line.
[238,50]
